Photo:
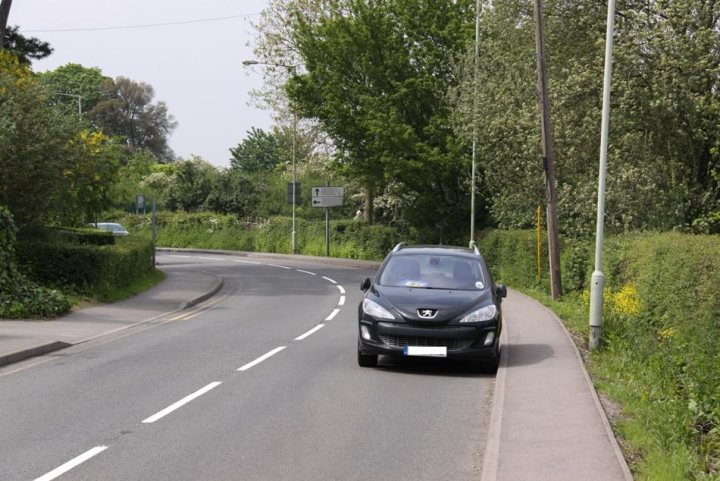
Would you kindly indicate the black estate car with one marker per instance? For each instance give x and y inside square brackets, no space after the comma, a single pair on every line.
[432,301]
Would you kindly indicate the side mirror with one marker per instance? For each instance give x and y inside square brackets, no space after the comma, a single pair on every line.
[501,290]
[365,285]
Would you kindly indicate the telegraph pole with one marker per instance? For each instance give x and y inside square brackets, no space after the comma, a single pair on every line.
[548,156]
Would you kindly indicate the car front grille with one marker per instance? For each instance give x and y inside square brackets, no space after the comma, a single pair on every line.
[402,341]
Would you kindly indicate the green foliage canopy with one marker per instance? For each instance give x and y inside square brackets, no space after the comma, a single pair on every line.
[377,74]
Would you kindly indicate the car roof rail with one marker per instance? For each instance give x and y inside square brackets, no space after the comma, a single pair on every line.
[399,246]
[474,247]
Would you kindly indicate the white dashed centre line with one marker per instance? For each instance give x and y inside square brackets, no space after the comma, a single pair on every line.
[181,403]
[281,267]
[261,359]
[306,272]
[329,280]
[310,332]
[247,262]
[342,290]
[55,473]
[332,315]
[342,301]
[211,258]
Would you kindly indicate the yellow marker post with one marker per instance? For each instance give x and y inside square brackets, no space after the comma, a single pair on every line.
[537,232]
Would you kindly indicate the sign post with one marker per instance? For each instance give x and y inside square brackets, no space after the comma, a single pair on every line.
[327,197]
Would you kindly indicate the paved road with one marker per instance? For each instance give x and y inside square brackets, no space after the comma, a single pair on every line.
[211,395]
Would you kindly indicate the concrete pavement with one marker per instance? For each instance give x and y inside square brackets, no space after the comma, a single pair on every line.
[547,422]
[23,339]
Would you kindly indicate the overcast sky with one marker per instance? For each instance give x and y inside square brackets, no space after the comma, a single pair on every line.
[195,68]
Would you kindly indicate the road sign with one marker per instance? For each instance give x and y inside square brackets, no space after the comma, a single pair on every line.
[327,196]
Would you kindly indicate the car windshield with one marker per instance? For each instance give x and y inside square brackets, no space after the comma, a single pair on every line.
[433,272]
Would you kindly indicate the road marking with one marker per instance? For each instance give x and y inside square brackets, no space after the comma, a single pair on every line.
[247,262]
[281,267]
[175,255]
[332,314]
[181,403]
[72,464]
[342,301]
[306,272]
[329,280]
[261,359]
[212,258]
[310,332]
[342,290]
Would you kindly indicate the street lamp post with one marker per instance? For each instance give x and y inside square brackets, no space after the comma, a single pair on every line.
[79,100]
[597,281]
[290,68]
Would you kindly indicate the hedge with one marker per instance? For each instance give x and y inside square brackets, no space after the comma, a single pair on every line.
[85,268]
[661,336]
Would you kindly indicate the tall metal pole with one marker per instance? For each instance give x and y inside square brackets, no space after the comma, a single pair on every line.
[294,186]
[476,59]
[548,157]
[597,281]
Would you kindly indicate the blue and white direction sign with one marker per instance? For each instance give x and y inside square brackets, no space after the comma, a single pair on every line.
[327,196]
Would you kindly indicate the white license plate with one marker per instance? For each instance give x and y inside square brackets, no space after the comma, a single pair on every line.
[425,351]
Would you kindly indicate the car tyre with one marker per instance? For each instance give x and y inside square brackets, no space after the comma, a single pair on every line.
[489,366]
[367,360]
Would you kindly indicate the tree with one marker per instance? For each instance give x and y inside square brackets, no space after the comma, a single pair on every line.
[232,193]
[77,80]
[258,152]
[192,182]
[377,77]
[24,48]
[34,146]
[125,109]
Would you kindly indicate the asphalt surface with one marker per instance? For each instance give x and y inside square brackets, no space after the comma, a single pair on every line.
[245,385]
[242,366]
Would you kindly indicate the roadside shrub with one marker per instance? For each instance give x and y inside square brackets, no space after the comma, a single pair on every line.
[661,333]
[86,268]
[20,298]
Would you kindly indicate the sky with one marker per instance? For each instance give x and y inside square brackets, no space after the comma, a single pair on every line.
[195,68]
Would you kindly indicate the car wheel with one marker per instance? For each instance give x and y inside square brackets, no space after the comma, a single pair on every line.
[367,360]
[489,366]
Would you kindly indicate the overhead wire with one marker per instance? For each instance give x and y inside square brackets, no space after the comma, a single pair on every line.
[146,25]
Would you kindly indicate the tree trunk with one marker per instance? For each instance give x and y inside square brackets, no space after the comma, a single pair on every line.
[4,14]
[369,197]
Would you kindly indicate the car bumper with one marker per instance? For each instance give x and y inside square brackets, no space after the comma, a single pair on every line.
[461,342]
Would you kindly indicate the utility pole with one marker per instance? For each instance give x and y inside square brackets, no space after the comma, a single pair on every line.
[476,60]
[548,156]
[4,14]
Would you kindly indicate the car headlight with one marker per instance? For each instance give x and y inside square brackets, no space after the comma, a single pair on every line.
[486,313]
[374,309]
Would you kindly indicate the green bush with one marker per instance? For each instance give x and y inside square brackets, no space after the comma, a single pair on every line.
[20,298]
[661,335]
[86,268]
[206,230]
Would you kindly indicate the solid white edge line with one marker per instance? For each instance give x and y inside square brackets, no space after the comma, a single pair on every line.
[342,290]
[342,301]
[310,332]
[306,272]
[329,280]
[55,473]
[261,359]
[332,314]
[181,403]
